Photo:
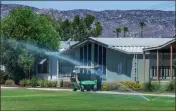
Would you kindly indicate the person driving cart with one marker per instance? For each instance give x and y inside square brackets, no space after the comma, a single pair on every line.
[83,81]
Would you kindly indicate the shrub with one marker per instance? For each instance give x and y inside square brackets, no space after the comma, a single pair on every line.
[110,86]
[3,75]
[23,83]
[34,82]
[171,86]
[54,83]
[46,83]
[67,84]
[105,87]
[28,82]
[156,86]
[149,87]
[42,83]
[121,86]
[61,83]
[49,84]
[128,85]
[9,82]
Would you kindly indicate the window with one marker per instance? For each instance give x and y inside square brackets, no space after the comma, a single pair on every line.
[89,54]
[85,58]
[81,58]
[42,66]
[100,55]
[96,54]
[104,60]
[89,57]
[119,67]
[81,55]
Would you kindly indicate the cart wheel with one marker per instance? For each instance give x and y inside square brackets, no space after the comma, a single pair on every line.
[74,89]
[82,88]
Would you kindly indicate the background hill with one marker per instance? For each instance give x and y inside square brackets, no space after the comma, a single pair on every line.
[159,23]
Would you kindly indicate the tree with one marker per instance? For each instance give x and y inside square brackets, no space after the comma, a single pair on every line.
[65,30]
[26,61]
[98,29]
[10,54]
[125,29]
[89,19]
[117,31]
[22,24]
[142,25]
[80,28]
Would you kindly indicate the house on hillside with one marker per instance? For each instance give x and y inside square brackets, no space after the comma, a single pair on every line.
[122,59]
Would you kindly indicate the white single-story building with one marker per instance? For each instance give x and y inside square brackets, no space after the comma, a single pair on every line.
[122,59]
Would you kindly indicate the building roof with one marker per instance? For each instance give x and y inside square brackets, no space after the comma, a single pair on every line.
[132,45]
[160,46]
[65,45]
[127,45]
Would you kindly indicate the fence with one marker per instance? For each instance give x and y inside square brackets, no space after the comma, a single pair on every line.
[164,72]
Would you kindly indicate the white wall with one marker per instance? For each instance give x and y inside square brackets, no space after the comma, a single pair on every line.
[112,58]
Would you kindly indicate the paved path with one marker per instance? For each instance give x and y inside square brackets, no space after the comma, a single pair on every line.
[103,92]
[51,89]
[8,87]
[131,93]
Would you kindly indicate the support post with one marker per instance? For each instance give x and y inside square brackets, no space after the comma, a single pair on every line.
[157,65]
[171,62]
[57,69]
[144,66]
[29,72]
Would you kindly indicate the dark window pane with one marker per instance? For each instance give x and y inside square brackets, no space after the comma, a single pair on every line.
[96,54]
[81,58]
[43,68]
[85,57]
[104,60]
[81,54]
[39,68]
[100,55]
[89,54]
[104,56]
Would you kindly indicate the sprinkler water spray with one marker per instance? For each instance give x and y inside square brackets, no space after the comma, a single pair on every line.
[58,55]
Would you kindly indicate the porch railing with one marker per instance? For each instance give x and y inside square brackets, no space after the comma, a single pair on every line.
[164,72]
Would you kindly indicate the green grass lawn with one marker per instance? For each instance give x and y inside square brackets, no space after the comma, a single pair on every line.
[26,99]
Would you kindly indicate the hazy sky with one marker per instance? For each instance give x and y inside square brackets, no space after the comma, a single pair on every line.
[98,5]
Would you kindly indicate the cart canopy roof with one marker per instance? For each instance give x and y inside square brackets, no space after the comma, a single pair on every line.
[86,67]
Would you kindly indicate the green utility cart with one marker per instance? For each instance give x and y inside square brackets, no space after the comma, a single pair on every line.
[84,81]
